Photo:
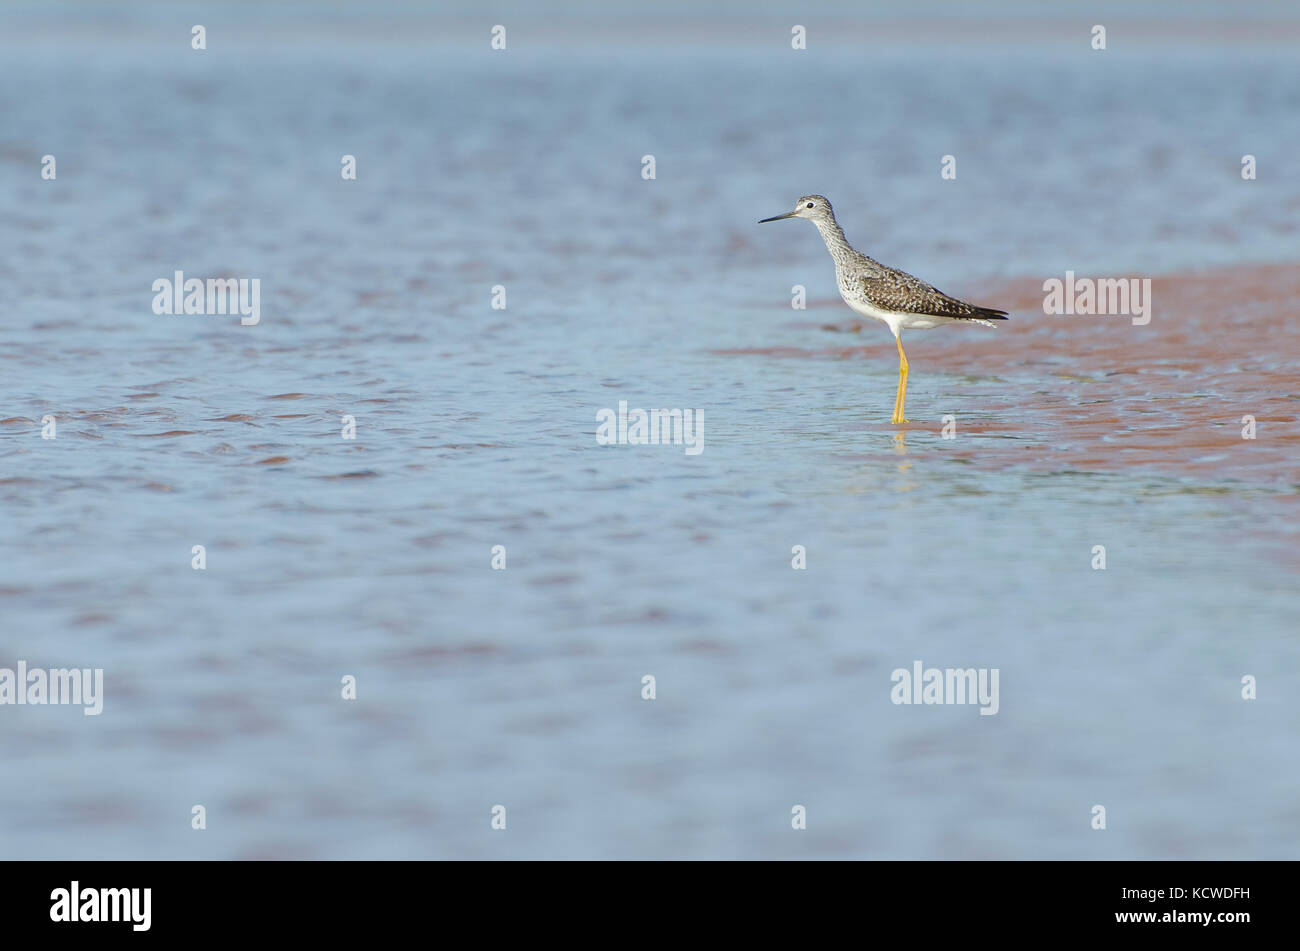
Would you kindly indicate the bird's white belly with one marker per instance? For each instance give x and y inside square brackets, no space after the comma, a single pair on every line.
[897,321]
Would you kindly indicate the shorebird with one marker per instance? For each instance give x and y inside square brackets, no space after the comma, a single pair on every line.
[887,294]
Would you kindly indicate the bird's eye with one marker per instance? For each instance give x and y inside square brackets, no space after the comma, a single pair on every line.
[809,204]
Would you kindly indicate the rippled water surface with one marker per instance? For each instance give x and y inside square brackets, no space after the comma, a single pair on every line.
[475,427]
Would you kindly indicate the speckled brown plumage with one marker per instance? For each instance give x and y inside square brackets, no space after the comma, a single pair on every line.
[865,279]
[892,289]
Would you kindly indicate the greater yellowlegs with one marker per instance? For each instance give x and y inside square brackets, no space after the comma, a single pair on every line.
[884,293]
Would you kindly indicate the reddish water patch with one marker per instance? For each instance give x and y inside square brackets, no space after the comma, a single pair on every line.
[1102,394]
[434,654]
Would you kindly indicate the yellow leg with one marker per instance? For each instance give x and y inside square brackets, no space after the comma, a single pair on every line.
[901,398]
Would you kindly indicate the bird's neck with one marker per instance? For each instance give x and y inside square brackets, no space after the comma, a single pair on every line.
[836,243]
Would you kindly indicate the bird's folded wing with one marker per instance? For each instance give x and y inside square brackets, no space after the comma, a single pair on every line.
[896,290]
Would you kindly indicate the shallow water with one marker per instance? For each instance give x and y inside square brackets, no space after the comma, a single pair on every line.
[476,427]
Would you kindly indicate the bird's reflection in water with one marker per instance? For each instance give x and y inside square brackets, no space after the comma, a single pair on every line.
[906,484]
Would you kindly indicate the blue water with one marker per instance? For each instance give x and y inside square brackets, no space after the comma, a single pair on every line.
[475,427]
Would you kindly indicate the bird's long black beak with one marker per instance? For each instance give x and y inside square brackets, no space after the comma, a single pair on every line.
[788,214]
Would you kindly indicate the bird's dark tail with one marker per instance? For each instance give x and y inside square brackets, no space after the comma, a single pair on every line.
[983,313]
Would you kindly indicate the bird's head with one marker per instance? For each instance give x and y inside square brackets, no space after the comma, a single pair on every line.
[809,206]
